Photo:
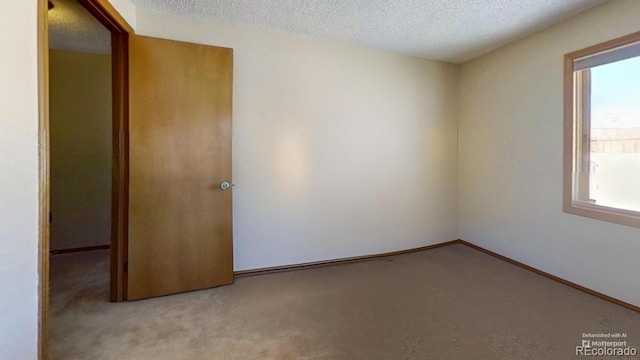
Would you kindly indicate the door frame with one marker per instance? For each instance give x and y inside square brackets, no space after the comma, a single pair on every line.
[104,12]
[120,31]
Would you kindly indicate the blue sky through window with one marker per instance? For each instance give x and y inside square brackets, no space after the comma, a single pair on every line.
[615,94]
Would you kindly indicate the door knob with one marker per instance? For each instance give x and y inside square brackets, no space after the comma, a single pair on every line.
[224,186]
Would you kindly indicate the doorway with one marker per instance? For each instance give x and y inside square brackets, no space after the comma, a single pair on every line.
[80,161]
[171,203]
[80,130]
[112,193]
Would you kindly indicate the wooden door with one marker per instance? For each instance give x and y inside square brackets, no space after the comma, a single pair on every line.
[180,223]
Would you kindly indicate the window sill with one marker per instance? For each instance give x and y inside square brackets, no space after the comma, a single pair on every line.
[604,213]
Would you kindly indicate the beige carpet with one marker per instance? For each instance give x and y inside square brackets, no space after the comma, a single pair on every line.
[446,303]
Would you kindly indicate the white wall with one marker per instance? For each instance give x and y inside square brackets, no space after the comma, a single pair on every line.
[510,168]
[338,150]
[18,181]
[126,9]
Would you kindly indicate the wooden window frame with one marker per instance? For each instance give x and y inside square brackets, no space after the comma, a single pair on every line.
[577,149]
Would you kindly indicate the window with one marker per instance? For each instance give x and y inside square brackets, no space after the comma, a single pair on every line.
[602,131]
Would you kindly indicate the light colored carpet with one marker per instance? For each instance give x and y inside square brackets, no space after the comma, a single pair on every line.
[447,303]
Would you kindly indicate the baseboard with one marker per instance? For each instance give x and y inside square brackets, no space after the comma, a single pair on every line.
[274,269]
[553,277]
[80,249]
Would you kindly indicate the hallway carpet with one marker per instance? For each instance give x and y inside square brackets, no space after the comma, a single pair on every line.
[447,303]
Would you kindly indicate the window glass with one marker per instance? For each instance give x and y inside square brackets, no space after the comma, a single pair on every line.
[614,156]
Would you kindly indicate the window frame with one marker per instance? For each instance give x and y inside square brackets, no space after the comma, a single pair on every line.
[574,125]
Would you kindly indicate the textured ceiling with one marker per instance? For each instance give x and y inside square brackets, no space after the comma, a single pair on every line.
[72,28]
[446,30]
